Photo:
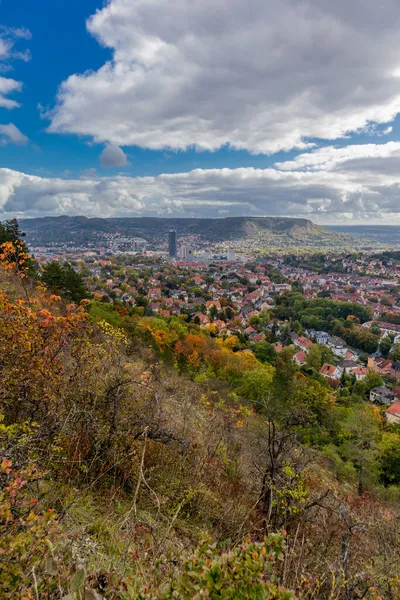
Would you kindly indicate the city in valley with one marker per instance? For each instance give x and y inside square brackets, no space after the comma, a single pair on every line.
[338,312]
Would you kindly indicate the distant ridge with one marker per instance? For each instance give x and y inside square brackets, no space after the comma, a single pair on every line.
[279,232]
[225,227]
[385,234]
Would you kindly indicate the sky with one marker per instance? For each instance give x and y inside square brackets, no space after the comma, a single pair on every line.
[205,108]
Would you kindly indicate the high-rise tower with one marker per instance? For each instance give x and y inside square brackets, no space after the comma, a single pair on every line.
[172,243]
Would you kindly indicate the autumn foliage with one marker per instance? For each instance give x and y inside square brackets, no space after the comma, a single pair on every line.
[33,343]
[149,460]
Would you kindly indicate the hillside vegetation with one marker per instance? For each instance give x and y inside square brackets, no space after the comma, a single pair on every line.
[141,458]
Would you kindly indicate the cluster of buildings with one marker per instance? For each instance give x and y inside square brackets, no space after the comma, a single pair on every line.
[229,297]
[186,286]
[347,363]
[378,292]
[186,251]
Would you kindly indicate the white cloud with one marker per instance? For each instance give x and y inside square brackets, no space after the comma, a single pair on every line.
[7,86]
[330,157]
[9,37]
[113,156]
[257,75]
[328,185]
[15,33]
[11,134]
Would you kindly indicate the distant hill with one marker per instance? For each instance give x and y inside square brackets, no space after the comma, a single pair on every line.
[386,234]
[262,231]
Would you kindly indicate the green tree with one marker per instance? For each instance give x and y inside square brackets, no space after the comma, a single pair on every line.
[385,346]
[229,313]
[314,357]
[284,375]
[255,320]
[395,353]
[311,406]
[74,286]
[362,387]
[375,329]
[298,328]
[257,384]
[213,312]
[389,458]
[362,431]
[265,352]
[64,280]
[10,232]
[372,380]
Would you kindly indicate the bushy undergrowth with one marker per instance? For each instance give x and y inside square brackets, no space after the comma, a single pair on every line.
[150,461]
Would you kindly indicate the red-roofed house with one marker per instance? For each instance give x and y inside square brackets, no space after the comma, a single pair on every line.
[257,337]
[220,324]
[211,303]
[383,366]
[393,413]
[330,371]
[249,330]
[203,319]
[360,372]
[303,343]
[300,358]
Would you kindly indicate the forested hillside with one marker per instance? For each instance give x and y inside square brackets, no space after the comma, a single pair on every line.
[143,458]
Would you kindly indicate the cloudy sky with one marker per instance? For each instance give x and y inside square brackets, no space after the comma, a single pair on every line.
[201,108]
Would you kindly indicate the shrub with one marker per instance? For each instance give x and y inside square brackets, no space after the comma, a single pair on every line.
[244,573]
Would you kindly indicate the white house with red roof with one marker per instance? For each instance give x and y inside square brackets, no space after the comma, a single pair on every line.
[360,373]
[203,319]
[300,358]
[393,413]
[303,343]
[330,371]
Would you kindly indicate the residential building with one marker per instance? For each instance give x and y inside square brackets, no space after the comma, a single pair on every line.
[337,346]
[330,371]
[303,343]
[360,373]
[348,366]
[382,395]
[300,358]
[320,337]
[393,413]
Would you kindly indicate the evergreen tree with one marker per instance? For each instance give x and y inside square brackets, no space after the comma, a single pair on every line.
[64,280]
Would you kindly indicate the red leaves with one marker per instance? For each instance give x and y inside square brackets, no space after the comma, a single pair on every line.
[5,466]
